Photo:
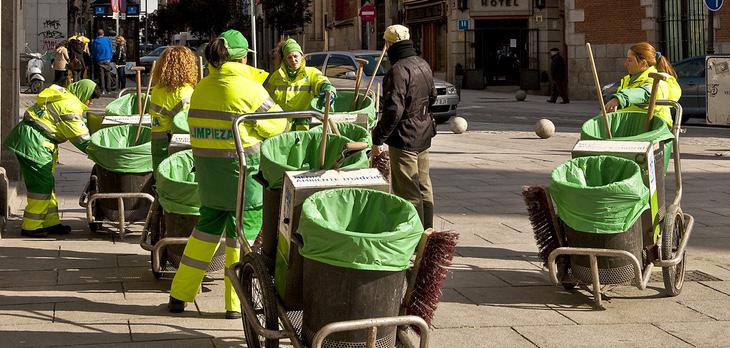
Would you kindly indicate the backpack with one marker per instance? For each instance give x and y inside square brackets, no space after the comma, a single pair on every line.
[75,64]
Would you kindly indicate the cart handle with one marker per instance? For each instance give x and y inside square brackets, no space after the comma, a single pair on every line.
[372,326]
[255,116]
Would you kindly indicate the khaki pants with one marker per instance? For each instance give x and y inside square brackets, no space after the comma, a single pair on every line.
[409,172]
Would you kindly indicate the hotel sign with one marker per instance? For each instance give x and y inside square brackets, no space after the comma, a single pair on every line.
[500,7]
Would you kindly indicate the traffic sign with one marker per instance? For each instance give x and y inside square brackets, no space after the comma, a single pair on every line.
[713,5]
[463,24]
[367,12]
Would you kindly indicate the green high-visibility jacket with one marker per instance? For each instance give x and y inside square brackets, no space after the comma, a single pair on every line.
[165,104]
[295,93]
[217,101]
[55,118]
[637,90]
[255,74]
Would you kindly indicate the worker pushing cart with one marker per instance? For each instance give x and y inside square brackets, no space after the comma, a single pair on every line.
[217,100]
[53,119]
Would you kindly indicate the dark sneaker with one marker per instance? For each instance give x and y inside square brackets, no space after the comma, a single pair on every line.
[39,233]
[58,229]
[551,101]
[233,315]
[175,305]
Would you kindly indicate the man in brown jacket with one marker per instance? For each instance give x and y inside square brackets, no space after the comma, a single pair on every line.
[406,124]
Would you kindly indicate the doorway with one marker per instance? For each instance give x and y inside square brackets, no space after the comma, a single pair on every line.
[502,49]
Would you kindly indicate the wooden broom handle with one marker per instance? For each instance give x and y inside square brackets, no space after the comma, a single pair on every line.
[657,77]
[599,95]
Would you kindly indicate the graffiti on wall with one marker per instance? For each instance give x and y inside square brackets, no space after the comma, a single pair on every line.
[50,36]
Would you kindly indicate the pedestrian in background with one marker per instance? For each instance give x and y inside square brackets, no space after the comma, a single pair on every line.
[293,85]
[643,59]
[558,77]
[101,54]
[120,59]
[217,101]
[174,78]
[60,64]
[76,58]
[406,124]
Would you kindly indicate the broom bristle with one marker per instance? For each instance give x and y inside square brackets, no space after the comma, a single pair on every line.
[436,258]
[541,220]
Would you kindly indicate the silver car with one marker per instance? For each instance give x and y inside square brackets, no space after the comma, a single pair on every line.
[340,67]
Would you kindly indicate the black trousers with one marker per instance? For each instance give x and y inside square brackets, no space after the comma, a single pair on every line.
[59,77]
[559,88]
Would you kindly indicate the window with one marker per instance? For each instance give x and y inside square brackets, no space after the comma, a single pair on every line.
[372,62]
[316,60]
[683,25]
[338,66]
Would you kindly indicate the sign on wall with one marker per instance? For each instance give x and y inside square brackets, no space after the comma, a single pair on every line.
[718,89]
[713,5]
[500,7]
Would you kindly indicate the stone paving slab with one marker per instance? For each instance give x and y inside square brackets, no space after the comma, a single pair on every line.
[175,327]
[619,335]
[187,343]
[38,313]
[479,337]
[108,292]
[53,334]
[700,334]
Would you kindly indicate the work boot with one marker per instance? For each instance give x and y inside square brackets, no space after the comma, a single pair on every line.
[175,305]
[59,229]
[233,315]
[39,233]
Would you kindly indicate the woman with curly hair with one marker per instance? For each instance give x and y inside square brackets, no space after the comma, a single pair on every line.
[174,77]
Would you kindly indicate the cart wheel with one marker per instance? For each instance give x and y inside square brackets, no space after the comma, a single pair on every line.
[259,292]
[36,86]
[671,236]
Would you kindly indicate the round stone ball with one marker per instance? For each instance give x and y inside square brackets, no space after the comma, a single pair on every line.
[458,125]
[544,128]
[521,95]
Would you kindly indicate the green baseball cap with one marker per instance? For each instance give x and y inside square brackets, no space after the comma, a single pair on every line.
[236,44]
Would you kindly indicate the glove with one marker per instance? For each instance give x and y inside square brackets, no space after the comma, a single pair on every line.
[323,98]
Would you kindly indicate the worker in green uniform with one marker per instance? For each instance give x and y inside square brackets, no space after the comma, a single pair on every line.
[293,85]
[55,118]
[217,101]
[175,75]
[643,59]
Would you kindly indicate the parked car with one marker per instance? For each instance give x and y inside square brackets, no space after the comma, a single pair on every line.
[340,67]
[691,78]
[146,61]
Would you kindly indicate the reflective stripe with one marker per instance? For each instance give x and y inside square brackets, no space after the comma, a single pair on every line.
[159,109]
[293,88]
[203,266]
[52,210]
[267,104]
[51,109]
[232,243]
[38,196]
[81,138]
[180,106]
[70,117]
[159,135]
[205,237]
[213,115]
[33,216]
[44,127]
[220,153]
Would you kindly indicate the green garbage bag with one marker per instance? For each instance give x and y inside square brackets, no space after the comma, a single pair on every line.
[359,229]
[343,103]
[177,189]
[126,105]
[113,148]
[350,131]
[629,126]
[599,194]
[300,151]
[180,123]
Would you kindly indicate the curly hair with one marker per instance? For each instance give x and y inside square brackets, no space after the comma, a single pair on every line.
[176,67]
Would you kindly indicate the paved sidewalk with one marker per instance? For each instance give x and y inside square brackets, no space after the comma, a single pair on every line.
[95,289]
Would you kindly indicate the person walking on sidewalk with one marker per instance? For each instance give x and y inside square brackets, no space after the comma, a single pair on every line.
[217,101]
[101,53]
[558,77]
[53,119]
[120,59]
[60,64]
[643,59]
[406,124]
[76,63]
[175,76]
[294,85]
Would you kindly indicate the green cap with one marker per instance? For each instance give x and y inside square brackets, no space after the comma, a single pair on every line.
[289,46]
[82,89]
[236,44]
